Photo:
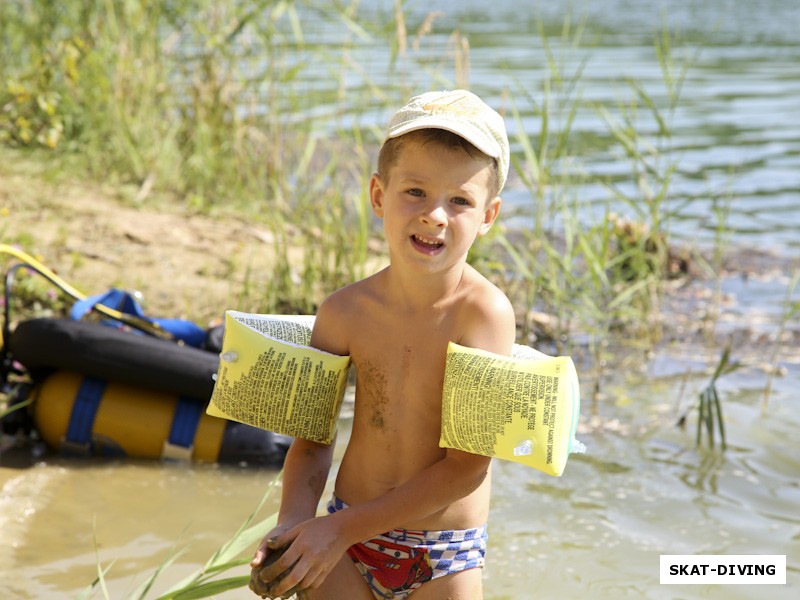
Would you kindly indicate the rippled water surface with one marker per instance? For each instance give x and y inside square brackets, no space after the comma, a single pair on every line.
[642,490]
[734,134]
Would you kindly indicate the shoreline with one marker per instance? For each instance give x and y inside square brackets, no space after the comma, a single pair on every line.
[192,265]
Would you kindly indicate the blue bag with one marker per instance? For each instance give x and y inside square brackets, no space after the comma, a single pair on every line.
[186,331]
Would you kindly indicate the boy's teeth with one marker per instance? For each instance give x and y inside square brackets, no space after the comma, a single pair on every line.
[427,241]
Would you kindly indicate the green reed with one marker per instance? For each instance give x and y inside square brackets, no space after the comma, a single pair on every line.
[595,274]
[207,581]
[710,420]
[206,103]
[541,165]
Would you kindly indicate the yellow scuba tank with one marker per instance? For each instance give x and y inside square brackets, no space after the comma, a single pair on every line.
[77,414]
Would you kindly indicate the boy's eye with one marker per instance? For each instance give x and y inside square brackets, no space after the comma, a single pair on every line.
[461,201]
[416,192]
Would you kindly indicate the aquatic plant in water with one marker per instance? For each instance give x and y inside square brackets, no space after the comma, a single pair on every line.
[206,581]
[709,404]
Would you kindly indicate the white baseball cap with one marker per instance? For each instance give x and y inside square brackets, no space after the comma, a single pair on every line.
[460,112]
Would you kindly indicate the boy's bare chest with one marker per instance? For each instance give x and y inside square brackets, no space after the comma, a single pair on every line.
[401,363]
[407,345]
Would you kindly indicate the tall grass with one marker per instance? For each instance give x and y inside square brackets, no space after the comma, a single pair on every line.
[218,105]
[542,166]
[209,103]
[593,272]
[215,105]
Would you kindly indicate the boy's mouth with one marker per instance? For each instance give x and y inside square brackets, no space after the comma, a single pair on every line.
[426,244]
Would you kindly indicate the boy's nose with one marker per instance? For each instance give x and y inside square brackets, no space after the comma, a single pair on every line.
[434,215]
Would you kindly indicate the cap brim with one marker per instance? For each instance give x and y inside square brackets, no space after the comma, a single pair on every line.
[472,134]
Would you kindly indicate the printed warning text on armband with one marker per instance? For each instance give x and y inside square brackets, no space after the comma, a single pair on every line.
[291,332]
[282,394]
[277,385]
[510,407]
[295,331]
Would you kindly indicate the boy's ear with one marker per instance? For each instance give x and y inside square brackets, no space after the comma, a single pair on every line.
[489,217]
[376,194]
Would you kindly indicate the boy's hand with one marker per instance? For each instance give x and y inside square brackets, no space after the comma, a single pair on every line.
[266,554]
[264,547]
[313,549]
[261,584]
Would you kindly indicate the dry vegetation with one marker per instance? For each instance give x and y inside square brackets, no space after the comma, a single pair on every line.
[95,237]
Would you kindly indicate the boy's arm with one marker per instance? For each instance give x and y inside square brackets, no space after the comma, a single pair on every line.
[307,464]
[305,473]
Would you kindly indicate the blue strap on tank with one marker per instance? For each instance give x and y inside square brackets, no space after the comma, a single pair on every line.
[185,421]
[84,410]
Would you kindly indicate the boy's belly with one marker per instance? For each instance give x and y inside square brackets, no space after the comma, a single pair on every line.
[371,468]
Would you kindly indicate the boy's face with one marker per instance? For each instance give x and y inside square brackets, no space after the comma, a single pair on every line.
[434,204]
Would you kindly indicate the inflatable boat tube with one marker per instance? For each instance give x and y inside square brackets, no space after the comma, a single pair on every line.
[102,391]
[113,354]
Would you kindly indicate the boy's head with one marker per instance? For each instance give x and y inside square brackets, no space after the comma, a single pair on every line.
[458,112]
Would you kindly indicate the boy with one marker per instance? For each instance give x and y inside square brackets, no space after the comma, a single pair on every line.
[407,516]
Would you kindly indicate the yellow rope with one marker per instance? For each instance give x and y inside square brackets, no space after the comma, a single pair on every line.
[132,320]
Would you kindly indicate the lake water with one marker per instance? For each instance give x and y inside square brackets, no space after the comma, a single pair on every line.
[643,489]
[735,131]
[597,532]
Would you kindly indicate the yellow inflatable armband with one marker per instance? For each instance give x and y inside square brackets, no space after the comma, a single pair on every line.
[522,408]
[268,377]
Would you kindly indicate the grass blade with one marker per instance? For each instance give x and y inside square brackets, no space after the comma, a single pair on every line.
[720,422]
[212,588]
[246,536]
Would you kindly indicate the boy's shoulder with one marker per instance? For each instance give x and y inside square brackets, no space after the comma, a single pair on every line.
[481,294]
[487,315]
[340,314]
[347,302]
[350,296]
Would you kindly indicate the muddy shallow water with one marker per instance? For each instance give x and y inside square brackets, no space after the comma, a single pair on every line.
[642,490]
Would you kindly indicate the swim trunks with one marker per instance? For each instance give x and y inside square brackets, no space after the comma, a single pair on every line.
[397,562]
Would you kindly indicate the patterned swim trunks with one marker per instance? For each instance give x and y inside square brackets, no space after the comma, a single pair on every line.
[397,562]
